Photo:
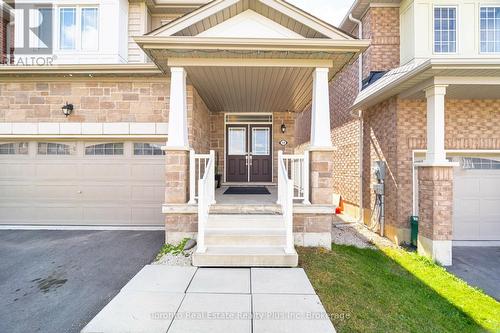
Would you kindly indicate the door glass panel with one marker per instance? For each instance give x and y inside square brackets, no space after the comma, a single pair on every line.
[260,141]
[237,141]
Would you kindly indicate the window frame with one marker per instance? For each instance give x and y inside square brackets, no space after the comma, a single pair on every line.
[72,148]
[134,155]
[16,153]
[78,24]
[94,144]
[433,29]
[481,6]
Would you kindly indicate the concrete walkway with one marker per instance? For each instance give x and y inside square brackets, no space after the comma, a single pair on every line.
[237,300]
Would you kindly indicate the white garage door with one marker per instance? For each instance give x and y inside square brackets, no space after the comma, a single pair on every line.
[81,183]
[476,212]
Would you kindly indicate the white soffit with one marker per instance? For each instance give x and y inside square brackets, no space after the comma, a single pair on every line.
[250,24]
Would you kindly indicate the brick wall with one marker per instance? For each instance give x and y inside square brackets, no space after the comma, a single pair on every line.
[394,128]
[380,143]
[381,26]
[112,100]
[288,118]
[217,139]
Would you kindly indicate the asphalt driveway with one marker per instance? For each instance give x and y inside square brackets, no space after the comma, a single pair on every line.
[479,266]
[57,281]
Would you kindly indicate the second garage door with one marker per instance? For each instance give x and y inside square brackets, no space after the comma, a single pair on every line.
[81,183]
[476,202]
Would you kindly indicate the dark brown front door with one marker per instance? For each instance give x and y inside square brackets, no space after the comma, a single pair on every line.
[237,153]
[249,153]
[260,153]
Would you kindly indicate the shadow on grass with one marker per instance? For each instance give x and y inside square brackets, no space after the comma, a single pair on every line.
[392,290]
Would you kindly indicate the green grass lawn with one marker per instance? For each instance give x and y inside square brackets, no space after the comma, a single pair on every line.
[392,290]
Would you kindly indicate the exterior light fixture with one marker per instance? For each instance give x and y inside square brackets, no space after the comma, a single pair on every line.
[67,109]
[283,127]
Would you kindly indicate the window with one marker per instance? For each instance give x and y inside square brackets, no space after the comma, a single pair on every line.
[490,29]
[90,35]
[67,28]
[14,148]
[79,28]
[148,149]
[105,149]
[445,29]
[260,141]
[237,141]
[480,163]
[52,148]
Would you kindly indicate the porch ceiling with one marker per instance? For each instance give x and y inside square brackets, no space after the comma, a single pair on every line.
[252,89]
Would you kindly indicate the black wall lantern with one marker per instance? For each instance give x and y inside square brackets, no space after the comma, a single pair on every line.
[67,109]
[283,127]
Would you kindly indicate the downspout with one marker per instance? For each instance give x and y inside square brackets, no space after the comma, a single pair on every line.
[360,116]
[360,58]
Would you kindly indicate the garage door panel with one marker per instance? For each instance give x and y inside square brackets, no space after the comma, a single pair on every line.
[490,186]
[107,214]
[466,231]
[106,192]
[148,172]
[468,185]
[15,192]
[111,171]
[68,192]
[16,171]
[147,216]
[476,204]
[57,172]
[148,193]
[82,189]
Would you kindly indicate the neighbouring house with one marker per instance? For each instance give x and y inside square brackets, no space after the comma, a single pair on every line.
[424,100]
[137,107]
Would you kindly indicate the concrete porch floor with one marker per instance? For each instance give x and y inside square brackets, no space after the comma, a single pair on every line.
[246,199]
[239,300]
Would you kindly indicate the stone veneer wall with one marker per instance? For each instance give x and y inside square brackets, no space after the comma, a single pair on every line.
[95,100]
[198,122]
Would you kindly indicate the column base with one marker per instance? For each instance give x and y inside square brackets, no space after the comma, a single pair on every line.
[438,250]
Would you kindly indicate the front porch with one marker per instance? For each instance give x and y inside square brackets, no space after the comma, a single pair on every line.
[238,76]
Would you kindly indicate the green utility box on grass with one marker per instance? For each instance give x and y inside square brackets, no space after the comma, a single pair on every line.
[414,230]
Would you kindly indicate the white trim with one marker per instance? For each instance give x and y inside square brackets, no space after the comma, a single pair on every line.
[482,243]
[225,182]
[81,227]
[82,129]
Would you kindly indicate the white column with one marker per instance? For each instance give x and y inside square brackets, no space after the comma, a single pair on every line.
[436,153]
[177,117]
[320,113]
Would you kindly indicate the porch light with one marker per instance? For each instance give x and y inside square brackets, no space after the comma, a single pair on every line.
[283,127]
[67,109]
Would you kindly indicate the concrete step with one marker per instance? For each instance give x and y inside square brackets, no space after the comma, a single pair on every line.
[250,239]
[244,256]
[248,222]
[245,209]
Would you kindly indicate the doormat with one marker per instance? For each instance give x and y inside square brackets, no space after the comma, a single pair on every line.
[247,190]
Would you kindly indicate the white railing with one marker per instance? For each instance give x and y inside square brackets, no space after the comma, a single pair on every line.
[197,166]
[297,167]
[206,197]
[285,199]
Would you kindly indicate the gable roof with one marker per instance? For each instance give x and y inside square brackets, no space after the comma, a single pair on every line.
[218,11]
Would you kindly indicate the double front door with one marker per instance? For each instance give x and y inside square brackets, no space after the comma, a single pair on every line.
[249,153]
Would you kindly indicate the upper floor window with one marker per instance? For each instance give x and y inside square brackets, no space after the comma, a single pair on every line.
[490,29]
[78,28]
[445,29]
